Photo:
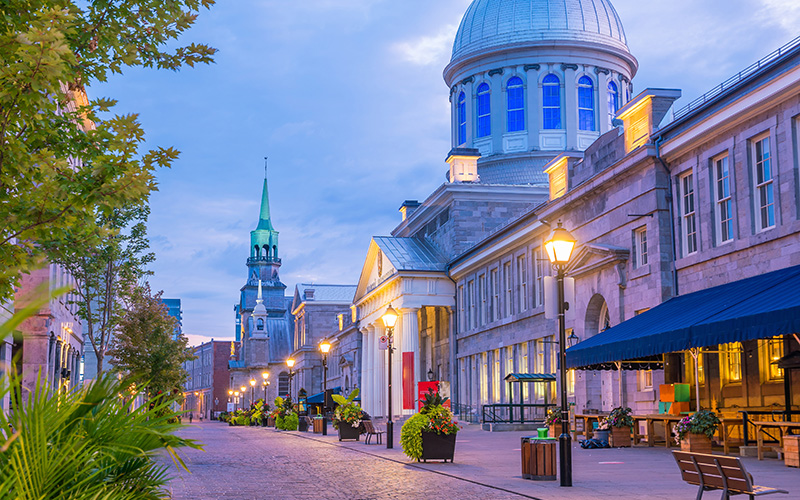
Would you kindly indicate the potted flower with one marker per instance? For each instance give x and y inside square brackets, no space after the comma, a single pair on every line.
[347,416]
[552,420]
[621,423]
[694,432]
[431,433]
[286,418]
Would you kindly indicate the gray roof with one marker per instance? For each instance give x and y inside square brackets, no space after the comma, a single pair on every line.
[493,23]
[515,172]
[411,254]
[328,293]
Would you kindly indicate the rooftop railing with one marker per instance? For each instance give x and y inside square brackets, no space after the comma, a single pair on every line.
[736,79]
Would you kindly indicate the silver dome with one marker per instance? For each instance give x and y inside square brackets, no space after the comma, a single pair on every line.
[494,23]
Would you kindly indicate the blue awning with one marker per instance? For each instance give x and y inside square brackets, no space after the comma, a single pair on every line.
[754,308]
[318,398]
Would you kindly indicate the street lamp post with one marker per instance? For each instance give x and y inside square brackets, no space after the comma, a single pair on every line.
[559,248]
[252,391]
[389,320]
[244,394]
[236,401]
[325,347]
[290,364]
[265,376]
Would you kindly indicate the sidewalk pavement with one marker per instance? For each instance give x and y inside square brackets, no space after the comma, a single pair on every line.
[493,458]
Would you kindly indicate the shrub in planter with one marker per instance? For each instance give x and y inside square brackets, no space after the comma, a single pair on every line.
[621,423]
[290,422]
[433,419]
[694,432]
[347,413]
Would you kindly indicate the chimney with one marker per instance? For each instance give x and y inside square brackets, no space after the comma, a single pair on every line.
[463,165]
[409,207]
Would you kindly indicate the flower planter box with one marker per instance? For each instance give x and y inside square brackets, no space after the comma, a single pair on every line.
[620,437]
[348,432]
[438,446]
[555,430]
[696,443]
[791,451]
[270,422]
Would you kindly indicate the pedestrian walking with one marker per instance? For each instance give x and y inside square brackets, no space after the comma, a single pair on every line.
[190,418]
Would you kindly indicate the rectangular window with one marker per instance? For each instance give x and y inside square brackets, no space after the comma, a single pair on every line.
[462,309]
[640,247]
[509,353]
[523,367]
[570,383]
[645,380]
[689,229]
[508,290]
[471,309]
[771,350]
[762,175]
[494,306]
[538,365]
[731,362]
[724,202]
[483,373]
[522,283]
[481,299]
[539,274]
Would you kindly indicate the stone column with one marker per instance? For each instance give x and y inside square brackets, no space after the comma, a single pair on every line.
[410,343]
[380,388]
[570,111]
[470,111]
[498,103]
[533,105]
[602,100]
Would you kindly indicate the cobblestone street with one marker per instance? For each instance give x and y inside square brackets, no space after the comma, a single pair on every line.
[256,463]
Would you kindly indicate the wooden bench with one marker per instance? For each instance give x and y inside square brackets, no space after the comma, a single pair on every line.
[371,431]
[717,472]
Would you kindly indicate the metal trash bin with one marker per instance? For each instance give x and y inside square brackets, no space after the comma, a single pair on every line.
[538,458]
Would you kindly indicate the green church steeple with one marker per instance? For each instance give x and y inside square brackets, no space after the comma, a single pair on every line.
[264,239]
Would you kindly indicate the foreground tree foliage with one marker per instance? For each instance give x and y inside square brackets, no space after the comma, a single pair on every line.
[147,347]
[64,159]
[106,274]
[87,445]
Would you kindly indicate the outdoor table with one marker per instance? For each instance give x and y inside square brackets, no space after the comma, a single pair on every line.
[783,427]
[650,421]
[587,420]
[725,429]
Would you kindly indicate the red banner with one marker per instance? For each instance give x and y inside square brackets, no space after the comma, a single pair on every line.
[408,380]
[422,390]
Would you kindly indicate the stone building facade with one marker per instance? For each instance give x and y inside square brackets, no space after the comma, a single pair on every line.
[205,392]
[316,310]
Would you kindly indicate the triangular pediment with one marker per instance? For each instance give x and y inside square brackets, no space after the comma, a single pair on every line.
[376,269]
[594,256]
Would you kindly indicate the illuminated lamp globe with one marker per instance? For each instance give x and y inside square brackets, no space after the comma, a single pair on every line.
[559,246]
[389,317]
[265,375]
[253,382]
[325,347]
[290,362]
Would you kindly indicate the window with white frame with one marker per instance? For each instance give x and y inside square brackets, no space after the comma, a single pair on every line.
[471,309]
[494,305]
[462,309]
[508,290]
[509,359]
[645,380]
[640,247]
[523,367]
[724,203]
[687,210]
[538,265]
[538,365]
[482,299]
[522,283]
[496,376]
[763,179]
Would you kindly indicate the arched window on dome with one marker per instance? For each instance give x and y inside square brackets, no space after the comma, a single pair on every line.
[260,325]
[516,104]
[484,111]
[585,103]
[551,102]
[613,102]
[462,118]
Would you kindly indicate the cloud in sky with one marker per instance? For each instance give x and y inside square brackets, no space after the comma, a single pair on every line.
[346,97]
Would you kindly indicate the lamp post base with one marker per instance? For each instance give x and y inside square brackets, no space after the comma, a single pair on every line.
[324,426]
[389,434]
[565,452]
